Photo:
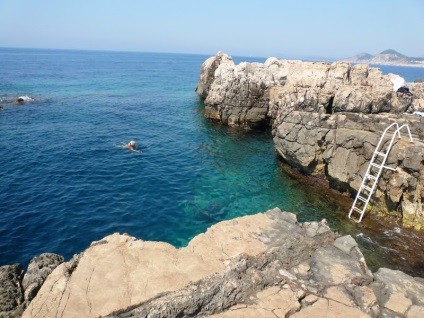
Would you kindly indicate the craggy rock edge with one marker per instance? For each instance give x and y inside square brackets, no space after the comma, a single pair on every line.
[303,277]
[326,119]
[305,269]
[18,289]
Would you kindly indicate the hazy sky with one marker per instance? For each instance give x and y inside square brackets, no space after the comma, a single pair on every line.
[295,28]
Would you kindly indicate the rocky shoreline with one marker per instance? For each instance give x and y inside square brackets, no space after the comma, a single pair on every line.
[263,265]
[326,120]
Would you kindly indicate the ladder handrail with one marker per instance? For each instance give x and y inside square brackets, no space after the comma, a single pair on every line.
[409,132]
[368,175]
[397,131]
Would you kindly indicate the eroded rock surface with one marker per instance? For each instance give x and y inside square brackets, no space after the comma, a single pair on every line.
[264,265]
[38,269]
[327,119]
[11,291]
[120,271]
[207,72]
[18,289]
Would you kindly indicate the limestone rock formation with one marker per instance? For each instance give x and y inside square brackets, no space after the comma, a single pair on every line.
[250,94]
[38,269]
[17,290]
[326,119]
[397,293]
[264,265]
[207,72]
[11,291]
[239,95]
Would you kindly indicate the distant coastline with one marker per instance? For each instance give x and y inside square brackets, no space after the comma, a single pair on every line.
[387,57]
[393,64]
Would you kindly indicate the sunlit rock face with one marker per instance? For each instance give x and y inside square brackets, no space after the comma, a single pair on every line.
[261,265]
[327,119]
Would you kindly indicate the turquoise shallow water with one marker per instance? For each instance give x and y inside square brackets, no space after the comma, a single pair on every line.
[65,183]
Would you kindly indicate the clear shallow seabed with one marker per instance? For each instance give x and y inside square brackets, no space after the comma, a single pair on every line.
[64,182]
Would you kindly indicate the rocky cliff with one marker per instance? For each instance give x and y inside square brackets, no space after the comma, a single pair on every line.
[263,265]
[326,119]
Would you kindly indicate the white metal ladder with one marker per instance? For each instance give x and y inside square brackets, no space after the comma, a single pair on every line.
[369,182]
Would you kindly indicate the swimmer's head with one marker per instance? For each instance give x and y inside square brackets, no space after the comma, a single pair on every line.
[132,143]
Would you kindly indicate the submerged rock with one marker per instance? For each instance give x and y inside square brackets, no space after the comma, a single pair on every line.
[23,99]
[255,266]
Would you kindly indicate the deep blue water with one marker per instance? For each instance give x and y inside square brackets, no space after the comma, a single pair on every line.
[64,182]
[410,74]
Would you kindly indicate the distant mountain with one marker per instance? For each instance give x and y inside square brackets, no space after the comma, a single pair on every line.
[363,56]
[387,57]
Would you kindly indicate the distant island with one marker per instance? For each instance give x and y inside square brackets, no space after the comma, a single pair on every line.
[387,57]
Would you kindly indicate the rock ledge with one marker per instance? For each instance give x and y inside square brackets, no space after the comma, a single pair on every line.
[263,265]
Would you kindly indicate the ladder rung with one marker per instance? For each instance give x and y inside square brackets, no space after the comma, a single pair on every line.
[380,153]
[358,210]
[367,188]
[369,176]
[375,165]
[390,168]
[362,198]
[361,213]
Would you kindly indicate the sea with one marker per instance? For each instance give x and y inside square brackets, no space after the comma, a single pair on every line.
[66,181]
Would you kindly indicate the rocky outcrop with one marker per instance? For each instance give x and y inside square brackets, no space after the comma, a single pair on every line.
[264,265]
[340,147]
[11,291]
[207,72]
[23,100]
[326,120]
[239,95]
[250,94]
[418,91]
[38,269]
[17,290]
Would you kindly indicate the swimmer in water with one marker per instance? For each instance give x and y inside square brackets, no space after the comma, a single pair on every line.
[130,146]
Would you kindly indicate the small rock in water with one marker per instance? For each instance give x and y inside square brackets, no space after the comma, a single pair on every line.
[23,99]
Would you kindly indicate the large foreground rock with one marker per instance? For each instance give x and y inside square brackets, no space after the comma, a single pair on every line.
[327,119]
[264,265]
